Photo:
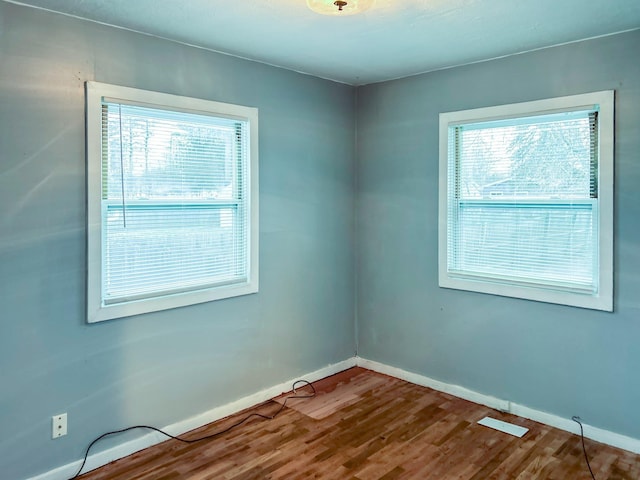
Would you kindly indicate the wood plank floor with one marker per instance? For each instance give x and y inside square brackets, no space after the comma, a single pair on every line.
[366,426]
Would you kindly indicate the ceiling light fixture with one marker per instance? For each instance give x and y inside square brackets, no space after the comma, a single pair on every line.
[339,7]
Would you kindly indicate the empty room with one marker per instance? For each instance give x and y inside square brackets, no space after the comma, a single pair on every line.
[291,239]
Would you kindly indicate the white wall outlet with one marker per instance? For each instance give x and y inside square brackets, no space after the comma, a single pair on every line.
[59,425]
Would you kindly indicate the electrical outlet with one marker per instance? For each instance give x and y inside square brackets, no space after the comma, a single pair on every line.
[59,425]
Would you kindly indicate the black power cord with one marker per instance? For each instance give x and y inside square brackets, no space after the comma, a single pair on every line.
[584,450]
[210,436]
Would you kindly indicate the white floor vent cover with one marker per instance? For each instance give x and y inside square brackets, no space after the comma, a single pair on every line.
[505,427]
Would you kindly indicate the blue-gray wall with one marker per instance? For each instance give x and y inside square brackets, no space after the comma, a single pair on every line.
[566,361]
[164,367]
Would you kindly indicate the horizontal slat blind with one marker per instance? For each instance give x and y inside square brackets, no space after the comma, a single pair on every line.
[523,201]
[174,202]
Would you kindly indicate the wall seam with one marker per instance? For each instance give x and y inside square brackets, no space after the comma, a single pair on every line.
[356,203]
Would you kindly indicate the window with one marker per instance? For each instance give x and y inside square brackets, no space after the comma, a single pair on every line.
[172,193]
[526,200]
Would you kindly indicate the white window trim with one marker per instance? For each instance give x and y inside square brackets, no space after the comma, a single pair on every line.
[95,93]
[603,299]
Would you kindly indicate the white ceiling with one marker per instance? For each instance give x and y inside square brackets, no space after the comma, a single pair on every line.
[395,38]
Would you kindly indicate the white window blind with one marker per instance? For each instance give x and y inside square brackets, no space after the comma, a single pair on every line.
[522,203]
[175,205]
[173,202]
[524,200]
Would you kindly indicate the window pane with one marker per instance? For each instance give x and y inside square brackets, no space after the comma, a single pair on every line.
[172,203]
[541,158]
[531,244]
[166,249]
[162,154]
[526,200]
[522,200]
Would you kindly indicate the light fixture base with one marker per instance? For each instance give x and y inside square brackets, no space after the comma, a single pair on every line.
[339,7]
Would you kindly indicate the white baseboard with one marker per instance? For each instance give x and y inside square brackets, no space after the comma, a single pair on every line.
[119,451]
[599,435]
[152,438]
[455,390]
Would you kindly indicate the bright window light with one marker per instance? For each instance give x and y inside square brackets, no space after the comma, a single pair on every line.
[172,193]
[526,200]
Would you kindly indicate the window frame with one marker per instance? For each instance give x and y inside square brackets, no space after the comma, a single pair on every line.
[96,92]
[603,298]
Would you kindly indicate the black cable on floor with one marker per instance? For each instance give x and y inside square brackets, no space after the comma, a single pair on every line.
[577,420]
[212,435]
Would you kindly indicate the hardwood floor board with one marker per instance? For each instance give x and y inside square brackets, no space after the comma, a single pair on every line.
[302,467]
[571,468]
[522,452]
[251,463]
[469,471]
[362,457]
[391,455]
[458,427]
[463,463]
[393,474]
[323,471]
[516,462]
[535,468]
[549,468]
[567,448]
[402,450]
[437,427]
[333,400]
[630,464]
[603,463]
[620,469]
[367,426]
[423,465]
[371,423]
[378,466]
[449,464]
[624,468]
[497,453]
